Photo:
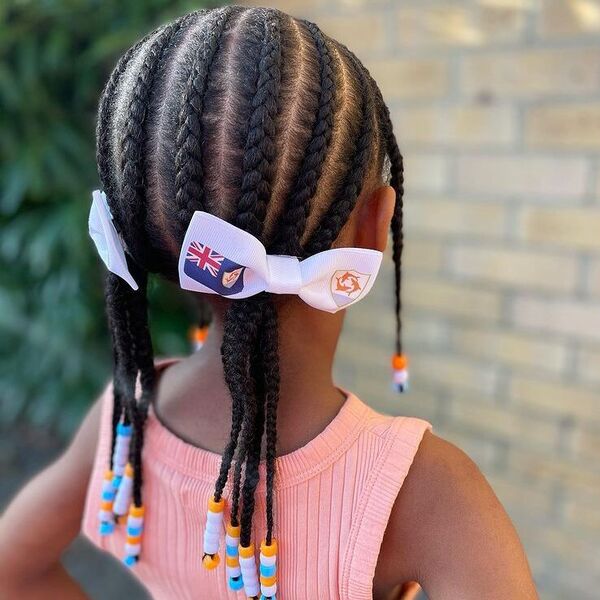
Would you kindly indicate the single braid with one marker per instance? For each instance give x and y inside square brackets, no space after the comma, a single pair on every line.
[344,202]
[132,196]
[188,160]
[297,207]
[269,348]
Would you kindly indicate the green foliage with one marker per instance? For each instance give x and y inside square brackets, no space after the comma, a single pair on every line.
[55,56]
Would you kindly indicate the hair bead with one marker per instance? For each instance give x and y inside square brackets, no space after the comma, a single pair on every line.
[198,337]
[400,372]
[133,540]
[124,492]
[212,533]
[233,569]
[268,568]
[121,452]
[249,570]
[105,515]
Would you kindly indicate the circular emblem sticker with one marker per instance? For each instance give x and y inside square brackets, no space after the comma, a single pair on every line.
[348,286]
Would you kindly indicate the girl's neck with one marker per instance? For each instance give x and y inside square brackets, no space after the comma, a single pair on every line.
[193,399]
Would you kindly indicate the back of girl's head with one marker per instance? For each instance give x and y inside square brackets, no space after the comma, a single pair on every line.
[264,121]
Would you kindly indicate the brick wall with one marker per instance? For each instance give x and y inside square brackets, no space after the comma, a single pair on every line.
[497,110]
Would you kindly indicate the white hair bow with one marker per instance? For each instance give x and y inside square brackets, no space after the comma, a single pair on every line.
[107,240]
[219,258]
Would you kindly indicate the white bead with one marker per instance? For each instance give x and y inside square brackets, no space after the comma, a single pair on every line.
[248,561]
[135,521]
[123,497]
[213,528]
[106,515]
[401,376]
[230,541]
[233,571]
[132,549]
[251,588]
[211,544]
[269,590]
[268,561]
[107,486]
[214,518]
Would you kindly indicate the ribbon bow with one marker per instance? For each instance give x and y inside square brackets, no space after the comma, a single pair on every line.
[219,258]
[107,240]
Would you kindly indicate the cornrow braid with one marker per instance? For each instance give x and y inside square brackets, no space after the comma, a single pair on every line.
[188,161]
[298,204]
[343,203]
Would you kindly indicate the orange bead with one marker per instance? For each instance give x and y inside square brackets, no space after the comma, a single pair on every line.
[269,550]
[268,581]
[215,506]
[233,531]
[211,561]
[232,561]
[122,519]
[136,511]
[247,551]
[128,470]
[399,362]
[134,540]
[108,475]
[106,505]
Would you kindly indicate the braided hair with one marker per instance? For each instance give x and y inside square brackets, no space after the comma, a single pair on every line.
[262,120]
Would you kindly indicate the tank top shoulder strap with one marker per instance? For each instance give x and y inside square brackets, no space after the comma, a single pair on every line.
[402,436]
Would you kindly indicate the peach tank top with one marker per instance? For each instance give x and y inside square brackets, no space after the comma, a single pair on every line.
[333,499]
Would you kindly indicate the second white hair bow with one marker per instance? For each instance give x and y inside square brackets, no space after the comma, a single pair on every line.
[219,258]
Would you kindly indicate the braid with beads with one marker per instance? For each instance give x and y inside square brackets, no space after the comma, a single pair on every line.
[192,118]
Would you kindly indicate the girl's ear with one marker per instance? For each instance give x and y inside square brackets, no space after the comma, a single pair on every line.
[375,219]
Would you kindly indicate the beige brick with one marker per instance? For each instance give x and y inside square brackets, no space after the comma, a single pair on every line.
[452,300]
[411,78]
[564,126]
[422,255]
[514,268]
[362,35]
[548,471]
[452,217]
[583,516]
[532,74]
[588,444]
[572,228]
[524,176]
[594,278]
[499,423]
[551,397]
[449,24]
[569,317]
[465,126]
[572,18]
[425,172]
[509,348]
[589,366]
[450,372]
[514,496]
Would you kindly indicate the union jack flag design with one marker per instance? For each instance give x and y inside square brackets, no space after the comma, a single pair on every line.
[215,271]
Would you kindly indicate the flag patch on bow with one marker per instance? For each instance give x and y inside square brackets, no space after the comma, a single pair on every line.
[208,267]
[347,286]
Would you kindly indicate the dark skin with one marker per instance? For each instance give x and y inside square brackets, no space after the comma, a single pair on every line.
[447,529]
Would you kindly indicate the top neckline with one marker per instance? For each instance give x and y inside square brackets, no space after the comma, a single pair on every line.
[165,446]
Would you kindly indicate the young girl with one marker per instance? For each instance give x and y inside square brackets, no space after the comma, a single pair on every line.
[246,156]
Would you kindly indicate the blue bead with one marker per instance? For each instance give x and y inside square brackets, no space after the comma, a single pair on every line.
[236,583]
[268,571]
[263,597]
[134,531]
[124,430]
[130,560]
[116,481]
[231,550]
[108,496]
[106,528]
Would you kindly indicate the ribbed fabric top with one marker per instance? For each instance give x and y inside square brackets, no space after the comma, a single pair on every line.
[333,499]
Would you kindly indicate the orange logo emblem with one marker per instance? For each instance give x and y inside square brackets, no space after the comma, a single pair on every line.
[347,286]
